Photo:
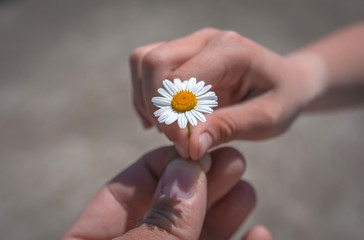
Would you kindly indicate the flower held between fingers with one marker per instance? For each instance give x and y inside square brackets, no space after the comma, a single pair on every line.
[184,102]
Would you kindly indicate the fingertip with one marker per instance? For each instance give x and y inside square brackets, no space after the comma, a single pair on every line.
[247,194]
[142,116]
[258,233]
[234,161]
[158,127]
[231,154]
[146,123]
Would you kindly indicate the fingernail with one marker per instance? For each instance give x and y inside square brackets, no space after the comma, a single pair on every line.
[205,142]
[178,180]
[180,150]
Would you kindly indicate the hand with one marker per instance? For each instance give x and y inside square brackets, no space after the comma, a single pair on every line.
[162,196]
[259,92]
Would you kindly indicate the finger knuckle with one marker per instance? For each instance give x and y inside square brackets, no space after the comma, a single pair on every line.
[209,30]
[270,117]
[153,60]
[230,35]
[162,215]
[226,129]
[234,39]
[235,47]
[137,54]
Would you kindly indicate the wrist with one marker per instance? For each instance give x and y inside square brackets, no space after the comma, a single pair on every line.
[313,71]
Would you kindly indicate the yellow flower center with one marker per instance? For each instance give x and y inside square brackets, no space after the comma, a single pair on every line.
[184,101]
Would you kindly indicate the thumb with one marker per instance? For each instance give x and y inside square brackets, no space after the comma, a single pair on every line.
[179,206]
[254,119]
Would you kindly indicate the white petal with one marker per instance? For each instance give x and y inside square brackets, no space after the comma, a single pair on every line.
[169,86]
[198,87]
[160,106]
[191,84]
[198,115]
[184,84]
[203,90]
[164,93]
[191,118]
[172,117]
[178,84]
[210,103]
[208,96]
[161,101]
[160,111]
[164,117]
[182,120]
[203,109]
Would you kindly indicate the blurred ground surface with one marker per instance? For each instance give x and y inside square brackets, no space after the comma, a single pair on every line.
[67,123]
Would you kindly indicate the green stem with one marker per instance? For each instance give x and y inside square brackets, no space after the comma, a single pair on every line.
[189,129]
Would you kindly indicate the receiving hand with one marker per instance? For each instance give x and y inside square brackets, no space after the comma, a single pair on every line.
[162,196]
[259,92]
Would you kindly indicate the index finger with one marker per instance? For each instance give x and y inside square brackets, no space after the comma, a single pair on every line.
[136,76]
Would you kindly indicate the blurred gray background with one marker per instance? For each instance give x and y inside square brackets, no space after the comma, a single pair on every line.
[67,124]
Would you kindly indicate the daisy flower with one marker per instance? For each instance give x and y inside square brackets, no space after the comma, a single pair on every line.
[184,102]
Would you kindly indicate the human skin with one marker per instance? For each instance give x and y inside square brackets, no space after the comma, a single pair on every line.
[260,93]
[153,200]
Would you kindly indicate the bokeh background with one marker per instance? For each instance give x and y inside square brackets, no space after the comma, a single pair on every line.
[67,124]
